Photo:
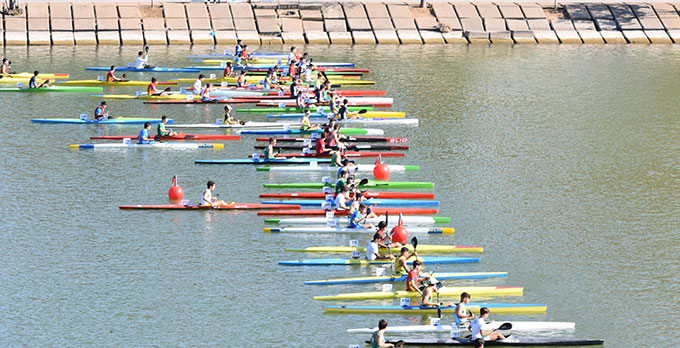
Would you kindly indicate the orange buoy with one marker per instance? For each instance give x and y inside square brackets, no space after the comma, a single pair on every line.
[176,193]
[381,171]
[399,233]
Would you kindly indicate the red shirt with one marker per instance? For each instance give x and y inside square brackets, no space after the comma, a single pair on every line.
[227,71]
[151,89]
[109,76]
[320,147]
[240,81]
[412,275]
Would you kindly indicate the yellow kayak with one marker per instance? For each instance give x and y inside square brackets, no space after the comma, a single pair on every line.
[28,75]
[452,292]
[354,80]
[146,97]
[106,83]
[421,248]
[496,308]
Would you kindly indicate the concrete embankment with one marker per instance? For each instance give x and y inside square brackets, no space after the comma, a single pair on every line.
[82,23]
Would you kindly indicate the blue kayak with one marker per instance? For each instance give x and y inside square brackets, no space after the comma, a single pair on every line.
[371,201]
[120,120]
[298,115]
[402,278]
[252,161]
[362,262]
[156,69]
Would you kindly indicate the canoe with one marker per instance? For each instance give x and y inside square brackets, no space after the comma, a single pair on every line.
[364,262]
[371,183]
[348,139]
[51,89]
[370,231]
[107,83]
[368,194]
[349,108]
[349,147]
[422,248]
[180,136]
[446,329]
[368,168]
[402,278]
[326,114]
[259,161]
[344,131]
[379,211]
[235,206]
[371,201]
[117,120]
[28,75]
[347,154]
[157,69]
[496,308]
[182,146]
[445,292]
[407,219]
[513,341]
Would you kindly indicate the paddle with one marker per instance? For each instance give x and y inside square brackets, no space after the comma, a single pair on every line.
[414,242]
[389,238]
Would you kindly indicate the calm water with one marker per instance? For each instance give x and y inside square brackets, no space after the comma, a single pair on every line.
[562,161]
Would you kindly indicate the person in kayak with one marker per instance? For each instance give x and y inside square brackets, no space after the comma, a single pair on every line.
[110,77]
[197,87]
[342,198]
[241,79]
[461,317]
[205,93]
[32,83]
[428,293]
[359,200]
[341,181]
[401,264]
[100,112]
[142,61]
[373,250]
[238,48]
[4,68]
[209,200]
[343,112]
[413,278]
[358,218]
[481,331]
[320,146]
[346,165]
[228,70]
[305,124]
[269,150]
[378,337]
[162,131]
[143,137]
[152,90]
[339,155]
[293,54]
[228,118]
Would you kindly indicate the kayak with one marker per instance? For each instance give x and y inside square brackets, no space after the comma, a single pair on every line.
[376,100]
[446,329]
[235,206]
[349,108]
[367,114]
[445,291]
[364,262]
[371,183]
[117,120]
[28,75]
[180,136]
[422,248]
[402,278]
[157,69]
[51,89]
[347,154]
[371,231]
[354,169]
[313,101]
[182,146]
[496,308]
[366,120]
[407,220]
[143,96]
[107,83]
[370,201]
[272,62]
[258,161]
[341,92]
[350,147]
[510,341]
[392,211]
[344,131]
[220,124]
[348,139]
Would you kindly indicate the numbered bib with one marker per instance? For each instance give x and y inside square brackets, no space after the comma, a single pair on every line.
[387,287]
[353,243]
[404,301]
[379,272]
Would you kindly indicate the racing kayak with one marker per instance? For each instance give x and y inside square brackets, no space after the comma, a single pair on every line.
[235,206]
[371,231]
[354,169]
[143,96]
[350,147]
[446,329]
[322,114]
[107,83]
[344,131]
[366,120]
[313,101]
[180,136]
[424,248]
[445,291]
[347,154]
[509,341]
[376,100]
[407,219]
[364,262]
[348,139]
[28,75]
[258,161]
[371,183]
[117,120]
[51,89]
[370,201]
[349,108]
[341,92]
[182,146]
[246,125]
[380,211]
[496,308]
[157,69]
[402,278]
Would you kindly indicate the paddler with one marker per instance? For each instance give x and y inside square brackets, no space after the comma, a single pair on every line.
[100,111]
[428,292]
[321,146]
[300,100]
[342,180]
[305,124]
[162,131]
[307,74]
[143,59]
[197,87]
[359,200]
[4,68]
[461,317]
[401,264]
[342,198]
[373,250]
[238,48]
[228,70]
[358,218]
[346,165]
[292,69]
[386,239]
[209,200]
[269,150]
[413,278]
[293,55]
[378,337]
[110,77]
[33,84]
[228,118]
[151,89]
[143,137]
[481,331]
[339,155]
[241,79]
[205,93]
[343,113]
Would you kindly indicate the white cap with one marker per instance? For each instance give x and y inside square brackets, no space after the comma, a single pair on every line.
[432,281]
[228,107]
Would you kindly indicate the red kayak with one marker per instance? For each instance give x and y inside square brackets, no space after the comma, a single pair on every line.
[349,138]
[351,103]
[367,194]
[321,68]
[235,206]
[218,100]
[379,211]
[348,154]
[343,92]
[349,146]
[180,136]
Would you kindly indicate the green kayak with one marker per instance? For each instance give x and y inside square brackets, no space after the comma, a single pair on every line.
[326,109]
[371,184]
[52,89]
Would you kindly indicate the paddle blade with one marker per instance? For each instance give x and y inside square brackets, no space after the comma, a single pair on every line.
[414,242]
[387,216]
[363,182]
[505,326]
[362,111]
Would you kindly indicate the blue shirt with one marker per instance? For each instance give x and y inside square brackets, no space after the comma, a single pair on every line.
[354,219]
[98,112]
[144,134]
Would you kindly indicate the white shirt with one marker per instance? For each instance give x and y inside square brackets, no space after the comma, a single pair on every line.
[477,325]
[340,199]
[291,57]
[197,86]
[140,62]
[308,74]
[371,250]
[207,193]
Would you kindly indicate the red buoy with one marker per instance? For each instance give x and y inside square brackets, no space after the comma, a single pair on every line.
[381,171]
[176,193]
[399,233]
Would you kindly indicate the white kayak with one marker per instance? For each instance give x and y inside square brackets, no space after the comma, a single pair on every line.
[247,125]
[362,120]
[448,329]
[408,220]
[357,168]
[148,146]
[367,100]
[371,231]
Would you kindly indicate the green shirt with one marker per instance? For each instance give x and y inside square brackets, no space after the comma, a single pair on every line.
[161,129]
[339,184]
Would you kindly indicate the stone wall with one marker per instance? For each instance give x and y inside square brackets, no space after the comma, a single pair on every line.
[81,23]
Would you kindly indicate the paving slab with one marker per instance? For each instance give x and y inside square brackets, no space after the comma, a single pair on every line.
[409,37]
[628,23]
[538,24]
[635,36]
[178,37]
[294,13]
[312,25]
[132,37]
[62,38]
[37,9]
[523,37]
[583,24]
[377,11]
[105,11]
[271,40]
[333,11]
[546,37]
[651,23]
[432,37]
[675,35]
[398,11]
[363,37]
[477,37]
[38,24]
[381,24]
[269,12]
[670,23]
[621,11]
[472,24]
[590,36]
[268,25]
[61,24]
[613,37]
[241,10]
[153,24]
[152,37]
[501,37]
[293,38]
[664,9]
[561,24]
[174,10]
[224,37]
[219,11]
[291,25]
[85,38]
[658,37]
[358,24]
[130,24]
[84,24]
[42,38]
[510,11]
[426,23]
[16,38]
[197,10]
[403,23]
[83,11]
[334,25]
[466,10]
[60,10]
[487,10]
[222,23]
[341,38]
[455,37]
[642,10]
[568,36]
[599,11]
[452,22]
[311,14]
[354,10]
[532,10]
[107,24]
[248,37]
[386,36]
[176,23]
[128,11]
[517,25]
[108,38]
[443,10]
[494,24]
[244,24]
[15,24]
[201,37]
[577,11]
[317,37]
[605,24]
